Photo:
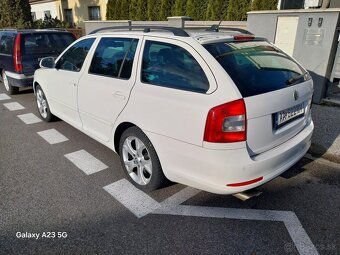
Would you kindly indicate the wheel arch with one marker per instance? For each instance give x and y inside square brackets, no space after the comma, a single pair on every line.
[35,84]
[118,133]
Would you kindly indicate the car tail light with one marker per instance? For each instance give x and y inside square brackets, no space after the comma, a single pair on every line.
[243,37]
[226,123]
[17,54]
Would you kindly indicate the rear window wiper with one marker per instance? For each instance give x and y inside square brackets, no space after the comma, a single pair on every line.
[296,78]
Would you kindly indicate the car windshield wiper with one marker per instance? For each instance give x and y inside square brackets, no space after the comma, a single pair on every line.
[295,79]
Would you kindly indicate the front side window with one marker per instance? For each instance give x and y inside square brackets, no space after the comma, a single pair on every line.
[6,44]
[114,57]
[73,59]
[172,66]
[94,13]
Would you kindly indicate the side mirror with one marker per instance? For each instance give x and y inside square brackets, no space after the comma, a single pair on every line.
[47,62]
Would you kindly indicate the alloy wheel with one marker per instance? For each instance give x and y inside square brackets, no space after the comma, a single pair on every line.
[137,160]
[42,104]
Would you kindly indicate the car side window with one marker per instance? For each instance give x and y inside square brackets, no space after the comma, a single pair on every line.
[114,57]
[7,44]
[73,59]
[172,66]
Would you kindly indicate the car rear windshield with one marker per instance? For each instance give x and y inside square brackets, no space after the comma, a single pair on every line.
[256,67]
[45,43]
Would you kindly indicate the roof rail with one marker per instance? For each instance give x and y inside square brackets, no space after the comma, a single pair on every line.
[57,29]
[175,30]
[8,29]
[217,28]
[32,29]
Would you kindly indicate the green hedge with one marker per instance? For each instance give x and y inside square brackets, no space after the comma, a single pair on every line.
[15,14]
[196,9]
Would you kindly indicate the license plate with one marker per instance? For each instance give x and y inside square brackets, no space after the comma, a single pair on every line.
[288,115]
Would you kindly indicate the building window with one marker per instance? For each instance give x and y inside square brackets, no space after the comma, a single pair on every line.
[47,14]
[34,16]
[68,16]
[94,13]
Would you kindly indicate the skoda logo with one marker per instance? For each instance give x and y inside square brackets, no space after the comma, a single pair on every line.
[296,95]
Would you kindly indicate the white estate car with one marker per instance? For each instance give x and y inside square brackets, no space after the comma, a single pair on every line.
[219,111]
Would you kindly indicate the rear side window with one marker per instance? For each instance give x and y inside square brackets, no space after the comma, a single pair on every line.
[114,57]
[45,43]
[73,59]
[171,66]
[6,44]
[256,67]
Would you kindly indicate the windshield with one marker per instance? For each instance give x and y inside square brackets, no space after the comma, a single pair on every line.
[256,67]
[46,43]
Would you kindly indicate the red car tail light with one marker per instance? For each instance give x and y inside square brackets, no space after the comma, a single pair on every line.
[243,37]
[17,54]
[226,123]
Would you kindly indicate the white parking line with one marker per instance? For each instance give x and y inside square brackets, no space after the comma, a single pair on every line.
[180,197]
[52,136]
[14,106]
[29,118]
[86,162]
[140,204]
[4,96]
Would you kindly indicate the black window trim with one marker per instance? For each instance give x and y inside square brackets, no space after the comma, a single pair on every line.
[69,47]
[121,67]
[168,87]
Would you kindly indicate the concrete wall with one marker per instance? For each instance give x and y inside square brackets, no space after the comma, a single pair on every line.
[93,25]
[314,46]
[39,9]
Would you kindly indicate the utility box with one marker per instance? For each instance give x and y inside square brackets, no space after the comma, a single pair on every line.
[310,36]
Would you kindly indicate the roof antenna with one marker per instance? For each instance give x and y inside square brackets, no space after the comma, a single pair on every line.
[214,28]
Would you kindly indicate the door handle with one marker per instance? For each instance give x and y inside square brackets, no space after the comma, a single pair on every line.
[73,83]
[119,95]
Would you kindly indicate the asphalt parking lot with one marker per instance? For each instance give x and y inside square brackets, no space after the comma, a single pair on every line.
[64,193]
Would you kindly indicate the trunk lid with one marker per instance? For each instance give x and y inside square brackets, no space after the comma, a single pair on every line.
[275,88]
[263,131]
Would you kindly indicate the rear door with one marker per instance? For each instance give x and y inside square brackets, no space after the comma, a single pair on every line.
[172,91]
[36,46]
[105,86]
[276,90]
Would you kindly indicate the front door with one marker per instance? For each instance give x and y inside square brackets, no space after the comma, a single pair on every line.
[63,82]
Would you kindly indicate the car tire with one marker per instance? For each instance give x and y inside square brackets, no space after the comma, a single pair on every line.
[42,104]
[140,161]
[11,90]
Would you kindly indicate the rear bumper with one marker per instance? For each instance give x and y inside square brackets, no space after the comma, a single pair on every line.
[19,80]
[211,170]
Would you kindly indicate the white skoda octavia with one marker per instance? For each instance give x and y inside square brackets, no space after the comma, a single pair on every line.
[219,111]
